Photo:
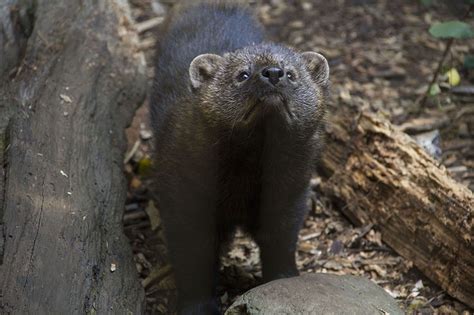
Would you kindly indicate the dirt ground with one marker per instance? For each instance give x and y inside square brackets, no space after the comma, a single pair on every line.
[382,59]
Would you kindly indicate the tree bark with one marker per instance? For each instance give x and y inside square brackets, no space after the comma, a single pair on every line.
[380,175]
[68,90]
[16,25]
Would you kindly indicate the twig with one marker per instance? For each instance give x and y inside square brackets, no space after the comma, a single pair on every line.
[132,152]
[147,44]
[157,274]
[135,215]
[437,72]
[363,232]
[310,236]
[148,24]
[137,226]
[441,62]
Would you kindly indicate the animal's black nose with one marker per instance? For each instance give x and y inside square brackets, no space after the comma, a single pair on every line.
[273,74]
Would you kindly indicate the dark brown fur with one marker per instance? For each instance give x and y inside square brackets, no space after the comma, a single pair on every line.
[228,153]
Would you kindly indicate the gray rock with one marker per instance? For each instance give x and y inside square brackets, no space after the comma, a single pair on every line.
[316,294]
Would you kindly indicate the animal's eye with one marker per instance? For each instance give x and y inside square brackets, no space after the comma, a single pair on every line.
[244,75]
[290,76]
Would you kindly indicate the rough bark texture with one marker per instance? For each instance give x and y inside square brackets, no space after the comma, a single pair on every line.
[67,91]
[16,25]
[380,175]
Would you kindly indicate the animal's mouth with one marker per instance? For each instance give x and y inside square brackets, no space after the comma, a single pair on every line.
[272,99]
[276,101]
[268,103]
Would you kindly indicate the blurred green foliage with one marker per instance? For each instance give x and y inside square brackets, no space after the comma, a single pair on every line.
[452,29]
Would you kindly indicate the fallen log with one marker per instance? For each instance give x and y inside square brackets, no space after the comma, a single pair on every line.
[65,101]
[380,176]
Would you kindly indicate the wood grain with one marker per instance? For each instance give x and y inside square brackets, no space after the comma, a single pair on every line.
[379,175]
[73,93]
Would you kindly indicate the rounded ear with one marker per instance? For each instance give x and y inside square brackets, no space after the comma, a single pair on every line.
[203,68]
[317,66]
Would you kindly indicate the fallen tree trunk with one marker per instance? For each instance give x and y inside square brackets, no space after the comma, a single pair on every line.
[65,100]
[380,175]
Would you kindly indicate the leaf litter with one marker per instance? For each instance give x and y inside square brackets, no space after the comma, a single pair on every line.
[382,58]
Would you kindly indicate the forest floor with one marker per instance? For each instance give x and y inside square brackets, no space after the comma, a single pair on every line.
[382,59]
